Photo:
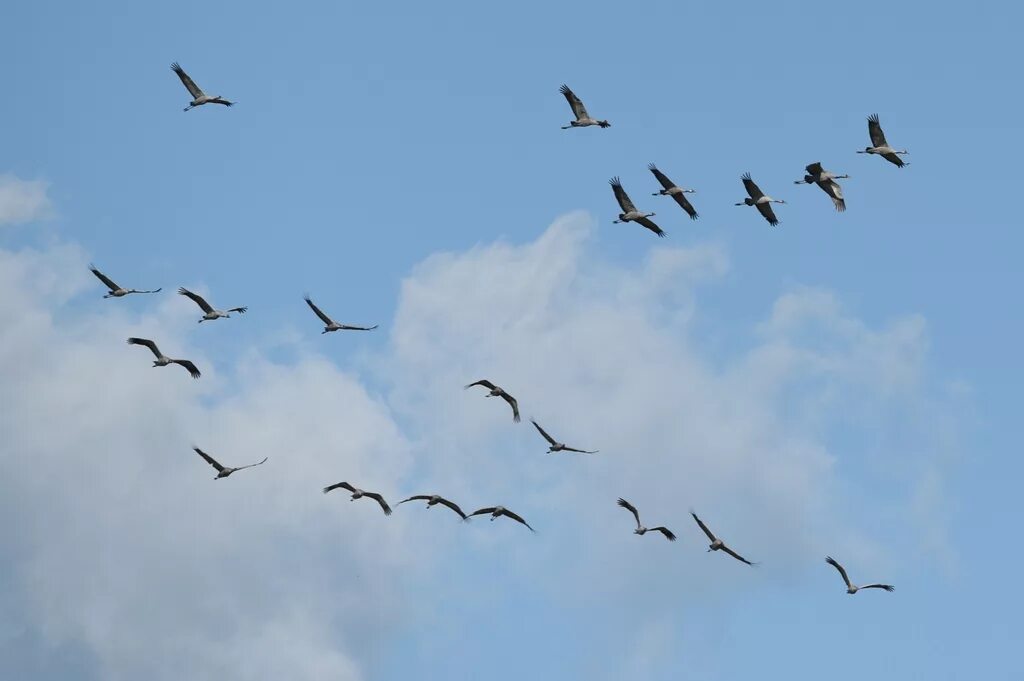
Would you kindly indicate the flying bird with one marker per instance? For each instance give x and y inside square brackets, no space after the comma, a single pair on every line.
[495,391]
[333,325]
[498,511]
[162,360]
[880,146]
[359,494]
[555,446]
[629,212]
[827,181]
[850,588]
[223,471]
[198,96]
[115,290]
[583,119]
[676,192]
[209,314]
[716,543]
[433,500]
[759,199]
[640,529]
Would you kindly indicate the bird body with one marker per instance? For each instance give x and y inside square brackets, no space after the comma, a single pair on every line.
[880,146]
[716,543]
[640,529]
[554,445]
[629,212]
[162,360]
[759,199]
[495,391]
[209,314]
[198,96]
[498,511]
[116,291]
[852,588]
[583,119]
[669,188]
[827,181]
[359,494]
[330,324]
[223,471]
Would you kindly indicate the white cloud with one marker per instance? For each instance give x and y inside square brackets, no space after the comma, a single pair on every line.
[22,200]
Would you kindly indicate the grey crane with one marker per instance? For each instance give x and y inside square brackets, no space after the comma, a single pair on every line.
[359,494]
[434,500]
[850,587]
[495,391]
[827,181]
[640,529]
[115,290]
[759,199]
[880,146]
[198,96]
[555,446]
[332,325]
[498,511]
[716,543]
[224,471]
[678,193]
[629,212]
[162,360]
[583,119]
[209,314]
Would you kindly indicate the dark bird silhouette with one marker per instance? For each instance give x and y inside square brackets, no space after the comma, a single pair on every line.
[433,500]
[850,587]
[583,119]
[827,181]
[330,324]
[629,212]
[759,199]
[880,146]
[198,96]
[640,529]
[495,391]
[498,511]
[223,471]
[115,290]
[162,360]
[716,543]
[676,192]
[359,494]
[555,446]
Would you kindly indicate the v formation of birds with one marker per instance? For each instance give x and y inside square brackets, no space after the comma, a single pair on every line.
[815,174]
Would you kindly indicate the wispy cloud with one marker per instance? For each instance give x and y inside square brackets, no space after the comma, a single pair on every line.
[22,200]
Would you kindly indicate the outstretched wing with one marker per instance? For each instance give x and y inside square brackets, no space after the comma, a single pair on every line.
[483,511]
[192,370]
[104,278]
[187,82]
[649,224]
[319,313]
[578,110]
[148,343]
[815,169]
[875,131]
[581,451]
[258,463]
[342,485]
[346,327]
[239,310]
[894,159]
[380,500]
[515,405]
[417,497]
[704,527]
[621,196]
[517,518]
[835,192]
[631,508]
[765,209]
[887,587]
[661,177]
[197,299]
[543,432]
[736,555]
[686,205]
[484,382]
[665,531]
[752,189]
[209,459]
[832,561]
[452,505]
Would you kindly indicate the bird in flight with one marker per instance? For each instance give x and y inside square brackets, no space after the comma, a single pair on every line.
[850,587]
[629,212]
[827,181]
[555,446]
[498,511]
[198,96]
[583,119]
[162,360]
[716,543]
[759,199]
[671,189]
[433,500]
[359,494]
[495,391]
[332,325]
[640,529]
[223,471]
[880,146]
[115,290]
[209,314]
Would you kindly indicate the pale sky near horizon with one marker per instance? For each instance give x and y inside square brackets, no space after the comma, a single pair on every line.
[843,384]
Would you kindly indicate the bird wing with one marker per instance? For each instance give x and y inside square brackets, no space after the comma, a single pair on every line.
[832,188]
[380,500]
[482,511]
[621,196]
[832,561]
[815,169]
[424,497]
[148,343]
[875,131]
[578,110]
[752,189]
[192,370]
[736,555]
[189,84]
[686,205]
[649,224]
[665,531]
[197,299]
[894,159]
[484,382]
[259,463]
[581,451]
[704,527]
[239,310]
[662,178]
[104,278]
[517,518]
[452,505]
[342,485]
[515,405]
[543,432]
[209,459]
[887,587]
[319,313]
[765,209]
[346,327]
[631,508]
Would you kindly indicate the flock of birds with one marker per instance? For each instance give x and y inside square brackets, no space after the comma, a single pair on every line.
[816,174]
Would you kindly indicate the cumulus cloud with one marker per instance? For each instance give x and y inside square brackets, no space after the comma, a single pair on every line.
[126,546]
[22,200]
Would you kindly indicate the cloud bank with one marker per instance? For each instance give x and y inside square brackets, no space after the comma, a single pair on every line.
[22,200]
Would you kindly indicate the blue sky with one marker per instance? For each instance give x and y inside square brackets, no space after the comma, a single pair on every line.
[404,164]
